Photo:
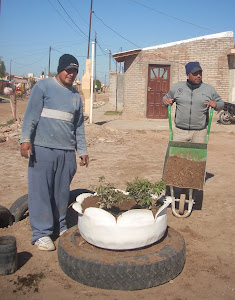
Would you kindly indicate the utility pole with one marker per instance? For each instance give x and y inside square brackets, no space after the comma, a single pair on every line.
[10,70]
[49,69]
[92,76]
[95,67]
[89,30]
[120,63]
[109,60]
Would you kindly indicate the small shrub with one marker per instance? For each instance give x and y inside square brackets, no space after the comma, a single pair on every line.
[108,195]
[141,190]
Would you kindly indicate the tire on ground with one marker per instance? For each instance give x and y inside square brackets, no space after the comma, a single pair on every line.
[122,270]
[6,217]
[8,255]
[19,208]
[74,193]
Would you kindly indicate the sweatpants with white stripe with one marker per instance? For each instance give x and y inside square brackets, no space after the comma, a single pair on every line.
[50,173]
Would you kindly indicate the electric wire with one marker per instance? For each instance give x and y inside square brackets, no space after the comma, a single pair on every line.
[72,19]
[62,16]
[178,19]
[115,31]
[79,13]
[25,65]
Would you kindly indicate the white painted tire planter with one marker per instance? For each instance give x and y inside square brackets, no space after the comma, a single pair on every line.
[133,229]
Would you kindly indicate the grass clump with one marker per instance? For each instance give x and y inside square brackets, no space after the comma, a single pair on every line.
[113,112]
[9,122]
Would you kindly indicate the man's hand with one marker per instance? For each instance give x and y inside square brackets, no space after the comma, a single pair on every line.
[210,104]
[26,149]
[84,160]
[168,101]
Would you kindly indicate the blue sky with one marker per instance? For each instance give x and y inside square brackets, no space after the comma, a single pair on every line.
[29,27]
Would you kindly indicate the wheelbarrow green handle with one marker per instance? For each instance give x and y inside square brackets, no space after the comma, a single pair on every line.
[208,127]
[209,124]
[170,124]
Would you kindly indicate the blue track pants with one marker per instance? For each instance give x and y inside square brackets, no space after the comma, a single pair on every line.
[50,173]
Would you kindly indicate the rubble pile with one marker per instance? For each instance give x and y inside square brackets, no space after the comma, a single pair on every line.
[11,132]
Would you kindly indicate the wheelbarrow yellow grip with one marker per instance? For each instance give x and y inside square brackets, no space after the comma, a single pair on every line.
[170,124]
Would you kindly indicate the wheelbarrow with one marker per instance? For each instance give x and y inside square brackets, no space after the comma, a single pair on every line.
[194,154]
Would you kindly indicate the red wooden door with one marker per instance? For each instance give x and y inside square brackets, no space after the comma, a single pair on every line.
[158,86]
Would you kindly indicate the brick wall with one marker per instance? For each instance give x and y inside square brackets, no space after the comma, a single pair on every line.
[211,53]
[116,94]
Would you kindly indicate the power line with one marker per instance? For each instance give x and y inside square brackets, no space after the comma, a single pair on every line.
[102,50]
[115,31]
[71,19]
[79,13]
[31,63]
[63,17]
[178,19]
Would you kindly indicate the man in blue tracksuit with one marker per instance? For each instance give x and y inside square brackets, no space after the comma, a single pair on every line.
[193,99]
[53,128]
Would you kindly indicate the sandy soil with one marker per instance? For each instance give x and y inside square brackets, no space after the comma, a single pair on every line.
[120,156]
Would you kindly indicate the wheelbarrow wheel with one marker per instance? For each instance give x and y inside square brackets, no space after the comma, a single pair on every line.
[182,203]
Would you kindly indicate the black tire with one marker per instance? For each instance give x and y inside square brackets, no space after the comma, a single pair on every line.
[122,270]
[225,118]
[6,217]
[74,193]
[8,255]
[19,208]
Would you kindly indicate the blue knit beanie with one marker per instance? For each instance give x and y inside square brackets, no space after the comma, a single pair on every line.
[192,67]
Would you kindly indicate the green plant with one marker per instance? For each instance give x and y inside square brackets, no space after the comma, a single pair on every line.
[109,196]
[98,85]
[143,191]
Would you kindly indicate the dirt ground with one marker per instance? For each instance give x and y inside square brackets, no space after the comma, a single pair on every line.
[120,156]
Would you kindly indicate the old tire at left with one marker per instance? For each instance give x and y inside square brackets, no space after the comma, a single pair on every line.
[121,270]
[19,208]
[8,255]
[6,217]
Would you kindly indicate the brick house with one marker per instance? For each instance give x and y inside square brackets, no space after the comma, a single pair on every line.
[149,73]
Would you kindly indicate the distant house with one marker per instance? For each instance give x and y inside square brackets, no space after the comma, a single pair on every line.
[150,72]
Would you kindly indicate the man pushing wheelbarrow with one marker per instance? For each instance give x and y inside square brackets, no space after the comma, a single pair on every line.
[189,140]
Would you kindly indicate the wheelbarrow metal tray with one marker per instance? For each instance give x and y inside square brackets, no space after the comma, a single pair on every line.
[196,152]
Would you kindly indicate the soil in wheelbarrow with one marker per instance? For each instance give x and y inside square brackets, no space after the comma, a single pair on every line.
[184,173]
[117,209]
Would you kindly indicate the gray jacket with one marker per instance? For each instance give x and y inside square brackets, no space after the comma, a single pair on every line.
[191,112]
